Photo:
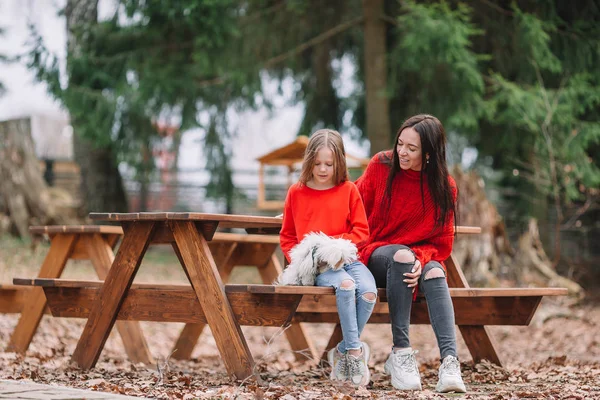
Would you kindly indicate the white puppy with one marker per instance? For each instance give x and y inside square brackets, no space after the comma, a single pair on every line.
[315,254]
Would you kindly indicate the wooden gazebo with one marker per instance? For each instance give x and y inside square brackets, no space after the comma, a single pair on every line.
[291,156]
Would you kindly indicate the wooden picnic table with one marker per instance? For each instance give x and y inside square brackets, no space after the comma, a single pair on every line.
[225,307]
[96,243]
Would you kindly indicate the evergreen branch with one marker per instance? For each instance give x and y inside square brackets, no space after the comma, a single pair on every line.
[298,49]
[388,19]
[262,13]
[314,41]
[497,7]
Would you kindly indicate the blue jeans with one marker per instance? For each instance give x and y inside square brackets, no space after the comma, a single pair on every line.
[353,308]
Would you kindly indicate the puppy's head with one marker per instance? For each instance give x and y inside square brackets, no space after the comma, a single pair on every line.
[335,253]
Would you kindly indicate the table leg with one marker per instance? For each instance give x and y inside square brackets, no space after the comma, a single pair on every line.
[61,248]
[190,333]
[297,336]
[102,257]
[206,281]
[118,281]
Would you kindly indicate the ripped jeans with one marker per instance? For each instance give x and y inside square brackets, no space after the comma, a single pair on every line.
[389,273]
[353,308]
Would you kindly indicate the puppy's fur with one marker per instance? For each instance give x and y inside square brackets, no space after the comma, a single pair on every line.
[315,254]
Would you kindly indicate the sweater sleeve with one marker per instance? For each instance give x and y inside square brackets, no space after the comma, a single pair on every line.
[359,227]
[287,235]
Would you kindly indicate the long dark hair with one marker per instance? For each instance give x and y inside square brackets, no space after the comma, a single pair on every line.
[433,143]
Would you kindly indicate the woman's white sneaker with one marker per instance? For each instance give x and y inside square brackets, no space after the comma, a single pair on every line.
[403,368]
[450,379]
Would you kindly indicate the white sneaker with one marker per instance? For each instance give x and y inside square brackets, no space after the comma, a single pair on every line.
[339,365]
[402,366]
[358,366]
[450,379]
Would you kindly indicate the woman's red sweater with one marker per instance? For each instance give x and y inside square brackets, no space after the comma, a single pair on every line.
[403,220]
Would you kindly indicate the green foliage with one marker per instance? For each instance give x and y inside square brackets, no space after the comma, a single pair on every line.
[560,165]
[434,64]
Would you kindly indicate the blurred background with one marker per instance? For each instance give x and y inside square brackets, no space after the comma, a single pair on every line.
[132,105]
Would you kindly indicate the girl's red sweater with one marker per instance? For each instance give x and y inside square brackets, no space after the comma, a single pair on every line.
[337,212]
[403,220]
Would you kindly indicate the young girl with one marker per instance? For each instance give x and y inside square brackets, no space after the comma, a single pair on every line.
[324,200]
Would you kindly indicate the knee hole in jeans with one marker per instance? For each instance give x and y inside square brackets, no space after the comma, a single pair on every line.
[404,256]
[347,284]
[370,297]
[435,272]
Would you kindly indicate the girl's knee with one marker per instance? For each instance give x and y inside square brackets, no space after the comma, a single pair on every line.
[404,256]
[347,284]
[370,297]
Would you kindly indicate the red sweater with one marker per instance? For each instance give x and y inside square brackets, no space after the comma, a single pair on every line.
[405,222]
[337,212]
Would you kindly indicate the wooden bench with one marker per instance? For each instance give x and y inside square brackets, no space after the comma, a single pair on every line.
[96,243]
[279,306]
[225,307]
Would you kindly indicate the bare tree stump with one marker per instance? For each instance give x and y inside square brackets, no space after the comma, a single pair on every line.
[23,192]
[488,258]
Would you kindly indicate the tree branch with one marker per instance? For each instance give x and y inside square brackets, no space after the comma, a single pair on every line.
[314,41]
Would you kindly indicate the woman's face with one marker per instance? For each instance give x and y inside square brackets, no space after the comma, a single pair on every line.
[409,150]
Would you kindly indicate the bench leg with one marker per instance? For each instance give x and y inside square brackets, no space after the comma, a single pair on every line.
[477,338]
[61,248]
[102,257]
[206,281]
[296,335]
[480,343]
[187,341]
[118,281]
[336,337]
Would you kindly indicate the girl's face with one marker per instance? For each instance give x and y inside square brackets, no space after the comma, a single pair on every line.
[322,172]
[409,150]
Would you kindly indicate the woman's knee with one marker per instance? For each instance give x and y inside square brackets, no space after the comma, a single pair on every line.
[432,270]
[404,256]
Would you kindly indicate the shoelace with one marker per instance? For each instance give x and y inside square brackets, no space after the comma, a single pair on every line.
[354,366]
[451,366]
[341,367]
[406,362]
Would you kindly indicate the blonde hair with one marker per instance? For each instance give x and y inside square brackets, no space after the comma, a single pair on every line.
[333,141]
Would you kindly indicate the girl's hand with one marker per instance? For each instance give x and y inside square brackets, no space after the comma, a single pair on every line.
[412,278]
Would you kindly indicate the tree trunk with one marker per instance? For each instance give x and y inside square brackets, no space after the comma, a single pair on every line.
[102,186]
[375,64]
[23,194]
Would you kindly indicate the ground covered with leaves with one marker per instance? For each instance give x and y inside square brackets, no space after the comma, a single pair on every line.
[556,357]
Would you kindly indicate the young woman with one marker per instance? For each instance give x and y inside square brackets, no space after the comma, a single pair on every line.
[410,200]
[324,200]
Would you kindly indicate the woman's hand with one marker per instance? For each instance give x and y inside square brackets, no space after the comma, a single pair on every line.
[412,278]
